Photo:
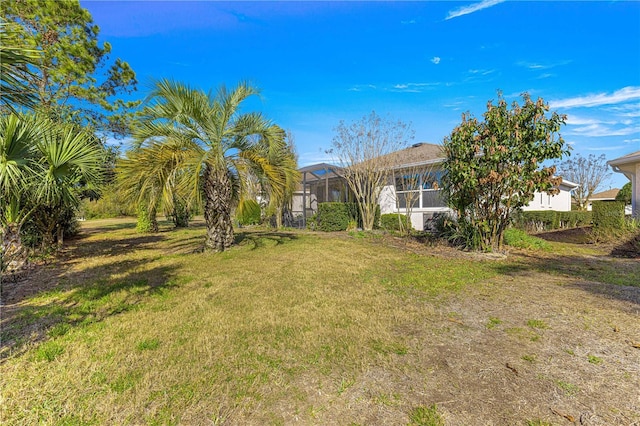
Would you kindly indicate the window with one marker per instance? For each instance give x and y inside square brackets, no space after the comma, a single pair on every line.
[421,190]
[432,180]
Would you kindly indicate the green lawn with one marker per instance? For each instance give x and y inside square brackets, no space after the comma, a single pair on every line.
[286,327]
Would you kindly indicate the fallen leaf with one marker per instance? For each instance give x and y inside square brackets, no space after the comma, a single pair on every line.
[566,416]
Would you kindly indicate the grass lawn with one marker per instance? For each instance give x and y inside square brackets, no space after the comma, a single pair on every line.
[304,328]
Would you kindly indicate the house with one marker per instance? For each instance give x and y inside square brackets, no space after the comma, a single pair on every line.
[608,195]
[320,183]
[415,187]
[629,165]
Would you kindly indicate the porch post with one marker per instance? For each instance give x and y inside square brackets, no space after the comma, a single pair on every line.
[326,185]
[304,199]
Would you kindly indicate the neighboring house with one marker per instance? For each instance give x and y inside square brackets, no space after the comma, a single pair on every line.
[629,165]
[416,182]
[608,195]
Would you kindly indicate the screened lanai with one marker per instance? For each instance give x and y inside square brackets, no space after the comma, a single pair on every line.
[321,183]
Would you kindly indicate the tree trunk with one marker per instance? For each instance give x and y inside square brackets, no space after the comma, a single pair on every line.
[147,219]
[14,255]
[278,217]
[60,236]
[217,209]
[287,217]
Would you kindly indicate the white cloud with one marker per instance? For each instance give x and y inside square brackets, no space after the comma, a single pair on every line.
[308,158]
[412,87]
[600,129]
[581,121]
[465,10]
[606,148]
[625,94]
[361,87]
[410,22]
[436,60]
[634,140]
[481,72]
[538,66]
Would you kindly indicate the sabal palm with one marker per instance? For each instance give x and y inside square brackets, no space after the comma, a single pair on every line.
[43,165]
[14,64]
[224,145]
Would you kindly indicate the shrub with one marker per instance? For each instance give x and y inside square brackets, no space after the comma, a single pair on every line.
[608,215]
[625,193]
[312,222]
[334,216]
[107,206]
[146,222]
[395,222]
[248,212]
[180,214]
[459,233]
[538,221]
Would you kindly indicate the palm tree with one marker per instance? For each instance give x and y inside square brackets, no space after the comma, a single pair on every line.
[15,61]
[280,201]
[43,168]
[150,177]
[224,147]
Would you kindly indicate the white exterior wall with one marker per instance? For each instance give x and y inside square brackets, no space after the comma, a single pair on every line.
[629,165]
[296,202]
[387,201]
[543,201]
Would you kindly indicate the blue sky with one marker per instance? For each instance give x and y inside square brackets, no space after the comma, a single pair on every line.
[421,62]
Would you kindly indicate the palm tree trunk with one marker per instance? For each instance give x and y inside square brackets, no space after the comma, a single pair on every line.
[13,253]
[217,209]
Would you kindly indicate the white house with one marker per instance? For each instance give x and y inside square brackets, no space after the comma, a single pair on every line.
[629,165]
[416,182]
[426,197]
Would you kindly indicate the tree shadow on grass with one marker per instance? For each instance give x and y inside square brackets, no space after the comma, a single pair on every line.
[110,247]
[601,275]
[76,300]
[259,239]
[51,299]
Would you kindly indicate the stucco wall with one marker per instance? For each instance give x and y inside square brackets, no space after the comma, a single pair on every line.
[543,201]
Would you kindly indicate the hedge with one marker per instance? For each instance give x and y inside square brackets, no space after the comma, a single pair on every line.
[392,221]
[336,216]
[550,220]
[608,214]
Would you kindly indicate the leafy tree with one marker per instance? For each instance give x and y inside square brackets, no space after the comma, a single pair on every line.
[365,150]
[625,193]
[64,77]
[590,173]
[222,148]
[493,167]
[43,168]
